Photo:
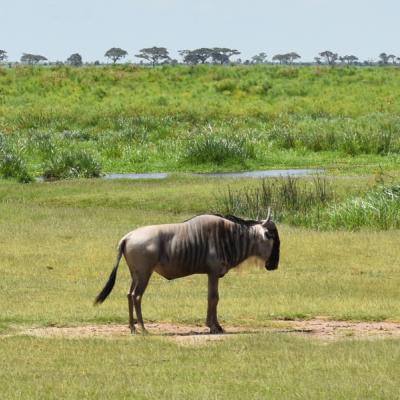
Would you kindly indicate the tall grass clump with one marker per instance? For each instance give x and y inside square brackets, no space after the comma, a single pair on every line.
[313,203]
[43,144]
[292,200]
[378,209]
[71,164]
[12,165]
[372,134]
[208,147]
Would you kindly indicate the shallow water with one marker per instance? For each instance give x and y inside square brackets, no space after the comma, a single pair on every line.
[247,174]
[266,174]
[150,175]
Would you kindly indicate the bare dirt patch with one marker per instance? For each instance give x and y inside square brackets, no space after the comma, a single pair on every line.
[327,329]
[191,334]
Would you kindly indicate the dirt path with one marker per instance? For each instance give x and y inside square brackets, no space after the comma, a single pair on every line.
[322,329]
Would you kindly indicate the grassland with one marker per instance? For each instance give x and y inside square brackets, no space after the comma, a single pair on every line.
[203,118]
[57,240]
[256,367]
[57,246]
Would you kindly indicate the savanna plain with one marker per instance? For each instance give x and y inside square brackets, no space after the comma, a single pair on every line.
[340,229]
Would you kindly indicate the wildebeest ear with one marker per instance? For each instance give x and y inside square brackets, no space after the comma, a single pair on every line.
[269,216]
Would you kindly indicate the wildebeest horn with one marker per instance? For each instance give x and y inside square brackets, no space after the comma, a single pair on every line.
[269,215]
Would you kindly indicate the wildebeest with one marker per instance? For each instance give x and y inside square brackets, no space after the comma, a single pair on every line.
[205,244]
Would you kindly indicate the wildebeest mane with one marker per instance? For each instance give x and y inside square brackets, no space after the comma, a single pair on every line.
[233,218]
[238,220]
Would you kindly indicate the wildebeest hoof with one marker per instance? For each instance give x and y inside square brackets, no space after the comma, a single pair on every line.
[216,329]
[144,332]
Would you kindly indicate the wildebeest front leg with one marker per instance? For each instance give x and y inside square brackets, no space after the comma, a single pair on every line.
[213,297]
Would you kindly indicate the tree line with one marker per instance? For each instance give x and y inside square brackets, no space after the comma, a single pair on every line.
[215,55]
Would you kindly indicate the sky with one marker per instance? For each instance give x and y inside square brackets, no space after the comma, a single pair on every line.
[58,28]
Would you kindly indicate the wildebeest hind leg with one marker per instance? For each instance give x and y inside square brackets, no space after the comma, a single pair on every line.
[132,321]
[141,283]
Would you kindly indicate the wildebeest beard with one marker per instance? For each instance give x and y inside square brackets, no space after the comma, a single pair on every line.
[273,261]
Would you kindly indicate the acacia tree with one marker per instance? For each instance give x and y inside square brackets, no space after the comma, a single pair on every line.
[260,58]
[291,57]
[203,54]
[75,60]
[329,56]
[384,59]
[392,57]
[154,55]
[352,59]
[196,56]
[221,55]
[3,55]
[115,54]
[279,57]
[186,58]
[349,59]
[32,58]
[287,58]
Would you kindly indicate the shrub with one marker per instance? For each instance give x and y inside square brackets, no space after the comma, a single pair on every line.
[41,142]
[13,166]
[226,85]
[311,203]
[211,148]
[71,164]
[11,163]
[292,199]
[379,208]
[265,88]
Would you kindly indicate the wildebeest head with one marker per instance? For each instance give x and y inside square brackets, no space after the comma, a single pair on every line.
[270,244]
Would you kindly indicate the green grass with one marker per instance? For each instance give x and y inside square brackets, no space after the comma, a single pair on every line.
[254,367]
[57,247]
[57,244]
[140,119]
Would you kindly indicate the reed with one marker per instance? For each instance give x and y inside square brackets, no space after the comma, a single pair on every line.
[315,204]
[71,164]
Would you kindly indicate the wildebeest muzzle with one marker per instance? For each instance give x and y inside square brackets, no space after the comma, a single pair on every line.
[273,261]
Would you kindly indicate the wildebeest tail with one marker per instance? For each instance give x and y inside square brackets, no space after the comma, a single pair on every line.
[111,280]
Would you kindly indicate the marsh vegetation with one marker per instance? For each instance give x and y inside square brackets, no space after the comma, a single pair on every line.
[201,118]
[316,203]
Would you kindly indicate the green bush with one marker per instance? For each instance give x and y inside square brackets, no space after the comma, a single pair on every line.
[212,148]
[12,165]
[71,164]
[41,142]
[312,203]
[226,85]
[291,199]
[378,209]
